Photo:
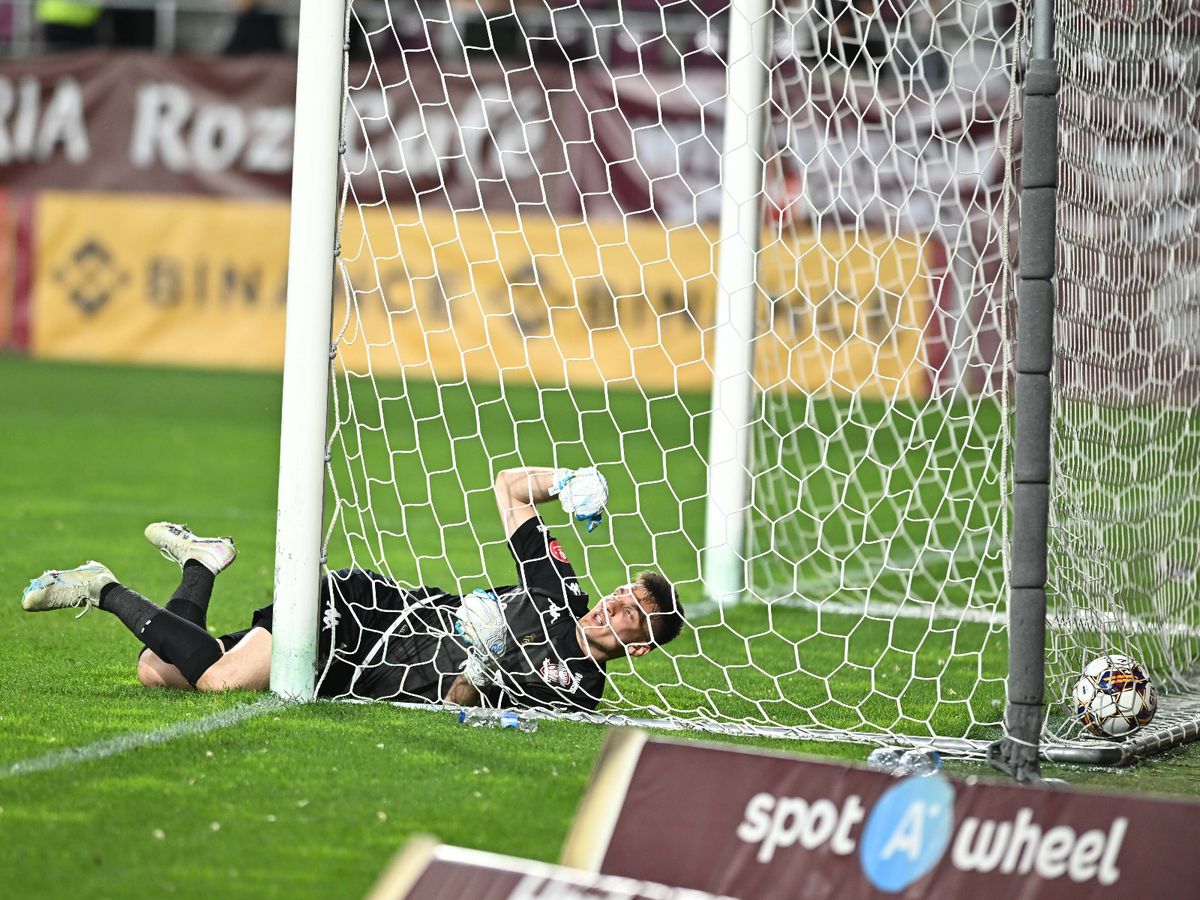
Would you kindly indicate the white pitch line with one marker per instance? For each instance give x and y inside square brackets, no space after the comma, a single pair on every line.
[123,742]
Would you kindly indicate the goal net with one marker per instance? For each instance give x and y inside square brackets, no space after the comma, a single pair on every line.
[531,274]
[1125,507]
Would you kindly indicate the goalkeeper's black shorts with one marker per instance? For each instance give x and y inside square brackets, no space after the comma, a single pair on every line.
[359,607]
[354,589]
[263,618]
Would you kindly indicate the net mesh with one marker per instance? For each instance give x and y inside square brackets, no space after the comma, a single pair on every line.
[1125,535]
[528,265]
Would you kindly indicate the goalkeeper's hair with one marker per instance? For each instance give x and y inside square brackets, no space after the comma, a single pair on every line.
[667,619]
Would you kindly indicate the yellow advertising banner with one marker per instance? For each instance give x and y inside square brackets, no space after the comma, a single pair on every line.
[202,282]
[160,279]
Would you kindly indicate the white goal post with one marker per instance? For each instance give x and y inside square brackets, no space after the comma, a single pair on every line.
[737,299]
[320,75]
[755,261]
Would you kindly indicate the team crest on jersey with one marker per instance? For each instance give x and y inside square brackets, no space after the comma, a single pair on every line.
[557,675]
[557,551]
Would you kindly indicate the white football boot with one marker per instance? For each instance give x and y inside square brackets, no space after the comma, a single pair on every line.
[79,587]
[178,544]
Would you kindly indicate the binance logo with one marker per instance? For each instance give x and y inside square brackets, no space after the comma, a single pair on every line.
[91,276]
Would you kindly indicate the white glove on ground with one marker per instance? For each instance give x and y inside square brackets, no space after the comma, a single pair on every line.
[480,620]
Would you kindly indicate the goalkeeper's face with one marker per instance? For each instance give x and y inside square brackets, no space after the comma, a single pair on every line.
[620,623]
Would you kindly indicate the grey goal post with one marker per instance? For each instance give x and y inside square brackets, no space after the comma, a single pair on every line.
[1017,752]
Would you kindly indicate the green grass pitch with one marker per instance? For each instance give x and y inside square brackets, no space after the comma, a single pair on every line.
[304,801]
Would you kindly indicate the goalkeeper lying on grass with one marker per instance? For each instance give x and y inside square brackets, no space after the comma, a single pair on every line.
[531,644]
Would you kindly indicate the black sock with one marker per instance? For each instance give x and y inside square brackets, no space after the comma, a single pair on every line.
[187,646]
[190,600]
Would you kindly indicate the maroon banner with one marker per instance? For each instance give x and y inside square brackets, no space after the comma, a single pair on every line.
[137,122]
[762,825]
[507,141]
[424,870]
[107,121]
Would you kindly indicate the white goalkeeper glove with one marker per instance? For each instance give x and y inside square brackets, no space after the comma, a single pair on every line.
[582,492]
[480,620]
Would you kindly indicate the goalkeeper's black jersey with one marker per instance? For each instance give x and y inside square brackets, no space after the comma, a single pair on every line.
[384,642]
[544,664]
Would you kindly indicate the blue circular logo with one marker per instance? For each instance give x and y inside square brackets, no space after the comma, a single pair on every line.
[907,831]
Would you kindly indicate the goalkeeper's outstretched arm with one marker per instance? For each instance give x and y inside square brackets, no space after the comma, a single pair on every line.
[518,491]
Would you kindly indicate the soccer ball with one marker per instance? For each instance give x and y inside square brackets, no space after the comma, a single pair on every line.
[1114,696]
